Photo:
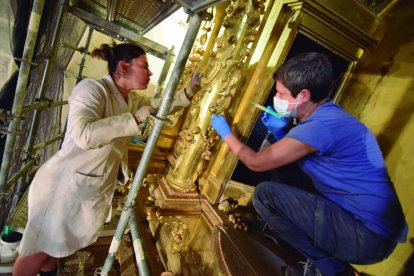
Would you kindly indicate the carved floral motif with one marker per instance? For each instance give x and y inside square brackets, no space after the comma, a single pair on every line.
[221,79]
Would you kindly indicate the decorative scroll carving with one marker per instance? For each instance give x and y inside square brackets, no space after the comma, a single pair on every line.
[229,206]
[221,78]
[192,64]
[176,118]
[179,234]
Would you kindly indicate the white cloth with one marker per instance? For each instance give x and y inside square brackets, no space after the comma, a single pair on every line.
[70,195]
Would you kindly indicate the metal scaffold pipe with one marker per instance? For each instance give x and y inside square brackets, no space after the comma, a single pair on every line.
[54,42]
[84,54]
[164,72]
[46,73]
[33,160]
[43,104]
[21,86]
[149,148]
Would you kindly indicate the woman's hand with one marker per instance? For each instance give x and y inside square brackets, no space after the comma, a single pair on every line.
[194,86]
[143,113]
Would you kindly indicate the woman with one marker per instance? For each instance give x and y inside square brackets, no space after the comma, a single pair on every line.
[71,194]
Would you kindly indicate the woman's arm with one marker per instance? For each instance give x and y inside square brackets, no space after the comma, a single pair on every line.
[87,123]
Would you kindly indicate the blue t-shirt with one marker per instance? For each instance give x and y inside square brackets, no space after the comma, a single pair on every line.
[348,168]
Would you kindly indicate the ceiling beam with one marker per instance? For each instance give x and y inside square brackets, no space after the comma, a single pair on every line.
[120,33]
[198,5]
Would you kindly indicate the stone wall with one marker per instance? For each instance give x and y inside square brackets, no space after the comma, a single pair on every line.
[381,95]
[6,28]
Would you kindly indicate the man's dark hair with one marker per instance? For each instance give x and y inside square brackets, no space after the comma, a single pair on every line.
[312,71]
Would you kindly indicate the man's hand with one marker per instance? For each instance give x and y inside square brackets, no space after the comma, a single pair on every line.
[221,126]
[275,125]
[194,86]
[143,113]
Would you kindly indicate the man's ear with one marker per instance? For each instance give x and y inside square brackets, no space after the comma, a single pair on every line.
[305,94]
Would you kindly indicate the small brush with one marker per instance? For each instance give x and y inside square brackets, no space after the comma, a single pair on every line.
[267,110]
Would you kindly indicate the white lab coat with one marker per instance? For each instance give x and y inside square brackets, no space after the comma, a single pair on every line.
[70,195]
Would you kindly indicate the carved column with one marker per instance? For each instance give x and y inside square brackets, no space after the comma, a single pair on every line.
[221,79]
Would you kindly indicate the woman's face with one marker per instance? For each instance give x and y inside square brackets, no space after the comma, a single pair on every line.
[137,73]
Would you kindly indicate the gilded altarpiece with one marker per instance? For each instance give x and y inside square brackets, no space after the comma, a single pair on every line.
[236,53]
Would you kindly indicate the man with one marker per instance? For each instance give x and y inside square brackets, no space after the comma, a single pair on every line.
[354,215]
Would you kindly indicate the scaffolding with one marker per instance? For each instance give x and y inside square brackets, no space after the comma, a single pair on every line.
[15,186]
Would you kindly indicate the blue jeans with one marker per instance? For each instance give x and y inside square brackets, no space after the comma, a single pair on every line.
[326,234]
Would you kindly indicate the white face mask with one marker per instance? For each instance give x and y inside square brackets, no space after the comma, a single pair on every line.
[281,107]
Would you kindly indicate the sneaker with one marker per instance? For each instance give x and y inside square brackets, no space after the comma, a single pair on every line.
[303,269]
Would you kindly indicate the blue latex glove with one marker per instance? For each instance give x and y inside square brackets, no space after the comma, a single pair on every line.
[221,126]
[275,125]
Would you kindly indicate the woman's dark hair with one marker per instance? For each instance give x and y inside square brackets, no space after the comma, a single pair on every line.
[311,70]
[115,53]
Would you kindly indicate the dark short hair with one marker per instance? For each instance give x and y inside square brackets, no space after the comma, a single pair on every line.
[115,53]
[311,70]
